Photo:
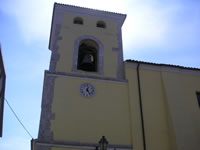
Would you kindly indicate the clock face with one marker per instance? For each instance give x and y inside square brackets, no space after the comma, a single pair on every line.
[87,90]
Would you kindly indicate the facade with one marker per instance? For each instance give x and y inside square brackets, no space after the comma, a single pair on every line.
[90,92]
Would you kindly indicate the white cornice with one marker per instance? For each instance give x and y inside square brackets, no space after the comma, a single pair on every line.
[88,77]
[89,12]
[163,68]
[88,146]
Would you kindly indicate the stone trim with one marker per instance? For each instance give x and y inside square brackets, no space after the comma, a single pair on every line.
[88,77]
[55,56]
[45,133]
[79,145]
[100,68]
[161,68]
[120,69]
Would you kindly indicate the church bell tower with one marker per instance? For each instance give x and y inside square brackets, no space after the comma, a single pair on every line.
[85,94]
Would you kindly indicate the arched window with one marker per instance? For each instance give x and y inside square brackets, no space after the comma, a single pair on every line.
[101,24]
[78,20]
[87,56]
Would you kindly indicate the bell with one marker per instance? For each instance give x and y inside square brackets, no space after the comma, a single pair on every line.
[87,59]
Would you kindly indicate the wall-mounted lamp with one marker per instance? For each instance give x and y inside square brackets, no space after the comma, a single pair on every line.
[103,143]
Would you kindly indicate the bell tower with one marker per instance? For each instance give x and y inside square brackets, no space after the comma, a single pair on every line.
[86,42]
[85,92]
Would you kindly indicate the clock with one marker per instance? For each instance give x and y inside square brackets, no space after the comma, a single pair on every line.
[87,90]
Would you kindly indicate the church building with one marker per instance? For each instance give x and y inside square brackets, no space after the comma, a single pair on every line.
[94,100]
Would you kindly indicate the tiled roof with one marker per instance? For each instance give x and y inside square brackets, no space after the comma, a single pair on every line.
[157,64]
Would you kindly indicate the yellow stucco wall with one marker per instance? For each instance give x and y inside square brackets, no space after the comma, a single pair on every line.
[153,101]
[135,116]
[184,111]
[70,32]
[83,119]
[170,109]
[155,110]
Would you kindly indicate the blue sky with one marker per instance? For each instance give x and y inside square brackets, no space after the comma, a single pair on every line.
[154,31]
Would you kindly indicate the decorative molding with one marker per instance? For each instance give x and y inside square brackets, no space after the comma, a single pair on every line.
[88,77]
[120,69]
[45,133]
[80,11]
[190,72]
[161,68]
[130,65]
[100,67]
[80,145]
[150,67]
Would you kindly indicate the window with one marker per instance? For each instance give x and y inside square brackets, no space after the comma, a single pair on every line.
[78,20]
[87,56]
[198,98]
[101,24]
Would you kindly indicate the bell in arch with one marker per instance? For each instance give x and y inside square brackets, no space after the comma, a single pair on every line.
[87,58]
[88,63]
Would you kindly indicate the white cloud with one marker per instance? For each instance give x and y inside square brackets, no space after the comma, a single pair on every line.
[153,27]
[32,17]
[148,24]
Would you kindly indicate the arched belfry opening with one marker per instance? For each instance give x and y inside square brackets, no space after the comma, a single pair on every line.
[87,56]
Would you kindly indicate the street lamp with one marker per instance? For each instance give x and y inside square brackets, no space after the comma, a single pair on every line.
[103,143]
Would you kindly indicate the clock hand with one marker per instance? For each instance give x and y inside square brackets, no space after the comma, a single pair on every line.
[88,91]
